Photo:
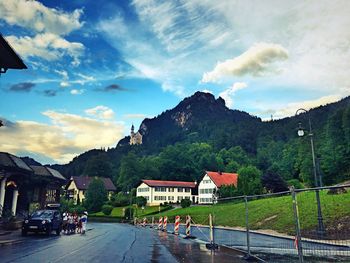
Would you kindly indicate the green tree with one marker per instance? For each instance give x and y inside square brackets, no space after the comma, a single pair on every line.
[249,180]
[96,195]
[272,181]
[227,191]
[129,174]
[99,166]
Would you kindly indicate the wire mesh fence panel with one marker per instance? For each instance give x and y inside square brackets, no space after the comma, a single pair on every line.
[272,224]
[325,222]
[229,222]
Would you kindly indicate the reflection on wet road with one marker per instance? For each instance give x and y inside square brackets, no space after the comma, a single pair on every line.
[114,243]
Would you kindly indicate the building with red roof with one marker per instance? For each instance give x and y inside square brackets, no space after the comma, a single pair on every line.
[158,191]
[211,182]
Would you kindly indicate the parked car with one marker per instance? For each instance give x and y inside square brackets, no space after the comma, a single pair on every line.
[43,221]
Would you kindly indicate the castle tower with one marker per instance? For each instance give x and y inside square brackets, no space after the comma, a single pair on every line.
[135,138]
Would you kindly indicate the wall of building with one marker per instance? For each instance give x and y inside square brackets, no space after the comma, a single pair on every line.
[205,190]
[75,193]
[159,195]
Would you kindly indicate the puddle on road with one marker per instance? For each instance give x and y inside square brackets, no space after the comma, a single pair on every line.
[192,251]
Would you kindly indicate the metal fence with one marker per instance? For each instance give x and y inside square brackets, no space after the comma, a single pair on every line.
[300,225]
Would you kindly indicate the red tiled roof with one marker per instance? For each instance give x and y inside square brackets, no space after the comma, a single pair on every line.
[83,182]
[169,183]
[220,179]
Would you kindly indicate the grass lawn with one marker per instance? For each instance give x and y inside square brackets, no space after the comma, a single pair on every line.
[275,213]
[118,211]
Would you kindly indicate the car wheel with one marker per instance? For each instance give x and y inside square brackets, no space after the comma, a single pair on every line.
[24,232]
[48,231]
[58,231]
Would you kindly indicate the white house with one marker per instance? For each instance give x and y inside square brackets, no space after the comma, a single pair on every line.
[213,181]
[157,192]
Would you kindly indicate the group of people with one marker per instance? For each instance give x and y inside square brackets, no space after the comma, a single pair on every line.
[74,223]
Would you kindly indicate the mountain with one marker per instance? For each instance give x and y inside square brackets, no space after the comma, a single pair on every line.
[202,133]
[196,119]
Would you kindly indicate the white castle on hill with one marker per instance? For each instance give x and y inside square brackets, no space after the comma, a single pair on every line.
[135,138]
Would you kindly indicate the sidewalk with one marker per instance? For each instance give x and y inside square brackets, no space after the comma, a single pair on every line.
[10,237]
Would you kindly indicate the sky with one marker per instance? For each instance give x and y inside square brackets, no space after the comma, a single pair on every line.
[97,67]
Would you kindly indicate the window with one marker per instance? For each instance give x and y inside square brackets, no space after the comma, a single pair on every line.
[171,198]
[160,198]
[187,190]
[180,189]
[171,189]
[206,181]
[160,189]
[144,189]
[205,200]
[179,198]
[206,191]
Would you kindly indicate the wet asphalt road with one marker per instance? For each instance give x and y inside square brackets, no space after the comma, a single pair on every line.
[114,243]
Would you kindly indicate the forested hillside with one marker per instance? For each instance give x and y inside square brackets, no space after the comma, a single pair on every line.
[201,133]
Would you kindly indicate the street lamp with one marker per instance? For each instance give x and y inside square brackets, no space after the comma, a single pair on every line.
[130,204]
[317,179]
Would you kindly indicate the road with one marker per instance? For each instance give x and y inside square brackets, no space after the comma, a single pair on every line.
[114,243]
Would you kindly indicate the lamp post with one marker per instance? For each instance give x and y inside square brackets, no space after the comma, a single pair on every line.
[317,179]
[130,204]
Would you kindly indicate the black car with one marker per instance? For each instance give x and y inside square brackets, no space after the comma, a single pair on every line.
[43,221]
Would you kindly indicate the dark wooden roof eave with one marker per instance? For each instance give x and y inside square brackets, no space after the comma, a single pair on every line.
[8,57]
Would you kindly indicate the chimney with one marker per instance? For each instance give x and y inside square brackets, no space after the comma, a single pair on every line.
[220,172]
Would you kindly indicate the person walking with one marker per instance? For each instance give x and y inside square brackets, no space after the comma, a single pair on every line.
[84,222]
[65,223]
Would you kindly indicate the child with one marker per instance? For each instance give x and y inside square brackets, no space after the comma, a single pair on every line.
[84,222]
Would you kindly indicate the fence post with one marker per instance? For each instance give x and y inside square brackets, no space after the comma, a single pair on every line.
[297,226]
[248,256]
[211,245]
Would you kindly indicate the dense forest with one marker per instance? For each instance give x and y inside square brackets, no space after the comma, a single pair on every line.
[201,134]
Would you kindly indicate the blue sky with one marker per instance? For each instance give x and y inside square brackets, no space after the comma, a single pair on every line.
[94,67]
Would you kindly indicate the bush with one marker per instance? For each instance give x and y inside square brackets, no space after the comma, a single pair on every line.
[140,201]
[120,199]
[107,209]
[185,203]
[296,183]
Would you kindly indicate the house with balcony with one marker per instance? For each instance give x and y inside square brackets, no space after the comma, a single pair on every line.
[159,192]
[211,182]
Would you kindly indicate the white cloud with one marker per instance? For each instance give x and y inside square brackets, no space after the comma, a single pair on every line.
[255,61]
[67,136]
[291,108]
[77,91]
[207,91]
[228,94]
[101,112]
[135,116]
[47,46]
[34,15]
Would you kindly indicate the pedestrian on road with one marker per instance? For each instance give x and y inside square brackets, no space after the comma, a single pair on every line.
[84,222]
[65,223]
